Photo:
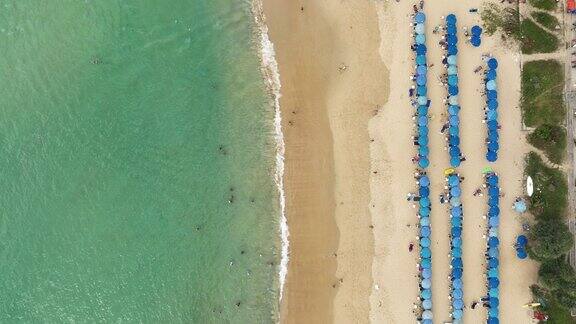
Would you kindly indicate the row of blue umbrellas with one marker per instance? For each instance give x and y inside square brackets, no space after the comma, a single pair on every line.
[492,112]
[492,253]
[454,194]
[421,89]
[423,162]
[476,38]
[453,90]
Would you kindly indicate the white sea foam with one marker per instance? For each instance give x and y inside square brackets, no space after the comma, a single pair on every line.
[272,79]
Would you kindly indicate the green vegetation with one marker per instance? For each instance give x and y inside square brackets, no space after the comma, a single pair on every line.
[506,19]
[557,313]
[535,39]
[551,139]
[542,93]
[543,4]
[550,189]
[550,239]
[545,19]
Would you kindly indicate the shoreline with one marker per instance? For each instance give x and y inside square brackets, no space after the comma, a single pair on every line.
[271,74]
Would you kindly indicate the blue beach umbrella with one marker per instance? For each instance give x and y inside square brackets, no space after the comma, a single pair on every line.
[422,110]
[493,282]
[453,100]
[427,315]
[493,273]
[492,115]
[451,39]
[457,242]
[421,49]
[521,240]
[452,70]
[521,253]
[453,110]
[476,30]
[494,302]
[419,29]
[453,140]
[420,17]
[493,320]
[426,284]
[455,192]
[493,201]
[491,74]
[493,292]
[453,180]
[456,231]
[455,201]
[457,294]
[426,273]
[454,120]
[493,232]
[491,85]
[492,180]
[520,206]
[452,50]
[458,303]
[451,60]
[422,100]
[453,79]
[426,294]
[421,59]
[494,221]
[424,162]
[424,191]
[457,314]
[426,263]
[492,94]
[491,156]
[493,191]
[457,262]
[423,140]
[493,242]
[454,130]
[421,69]
[493,252]
[424,221]
[451,19]
[425,242]
[421,90]
[456,273]
[427,304]
[493,263]
[493,211]
[425,202]
[456,212]
[492,125]
[421,80]
[424,181]
[424,211]
[420,39]
[453,90]
[423,131]
[457,283]
[493,311]
[475,41]
[493,135]
[492,104]
[422,121]
[492,63]
[493,146]
[455,162]
[451,30]
[425,231]
[457,252]
[456,222]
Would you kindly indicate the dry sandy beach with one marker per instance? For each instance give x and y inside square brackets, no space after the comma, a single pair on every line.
[345,70]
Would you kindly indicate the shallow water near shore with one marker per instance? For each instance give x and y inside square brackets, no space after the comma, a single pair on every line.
[136,158]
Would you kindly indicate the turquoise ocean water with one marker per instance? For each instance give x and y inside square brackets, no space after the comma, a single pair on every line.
[126,127]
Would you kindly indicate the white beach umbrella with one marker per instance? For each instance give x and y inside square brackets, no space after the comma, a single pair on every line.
[529,186]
